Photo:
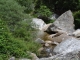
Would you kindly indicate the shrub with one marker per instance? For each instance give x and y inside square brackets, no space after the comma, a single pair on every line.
[11,12]
[28,4]
[11,46]
[43,11]
[77,19]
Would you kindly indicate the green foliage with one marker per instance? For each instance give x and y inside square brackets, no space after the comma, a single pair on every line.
[11,11]
[24,29]
[60,6]
[11,46]
[43,11]
[28,4]
[77,19]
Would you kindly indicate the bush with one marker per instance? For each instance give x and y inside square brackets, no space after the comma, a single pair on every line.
[11,12]
[11,46]
[28,4]
[43,11]
[77,19]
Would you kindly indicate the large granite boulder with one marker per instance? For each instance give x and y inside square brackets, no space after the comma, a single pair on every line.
[64,22]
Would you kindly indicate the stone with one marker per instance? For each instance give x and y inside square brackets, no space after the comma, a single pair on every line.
[24,59]
[64,22]
[12,58]
[71,45]
[46,49]
[38,23]
[46,27]
[76,33]
[42,35]
[38,40]
[58,38]
[54,16]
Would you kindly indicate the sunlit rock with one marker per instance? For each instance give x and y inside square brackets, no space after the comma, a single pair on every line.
[76,33]
[70,45]
[64,22]
[38,23]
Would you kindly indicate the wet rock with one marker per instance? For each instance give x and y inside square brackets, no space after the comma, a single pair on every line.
[64,22]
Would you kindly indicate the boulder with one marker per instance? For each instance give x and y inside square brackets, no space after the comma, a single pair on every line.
[38,23]
[64,22]
[76,33]
[71,45]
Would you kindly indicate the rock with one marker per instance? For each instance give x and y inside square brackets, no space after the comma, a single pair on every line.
[54,16]
[46,49]
[58,37]
[24,59]
[66,50]
[34,57]
[64,22]
[42,35]
[71,45]
[46,27]
[12,58]
[76,33]
[38,23]
[38,40]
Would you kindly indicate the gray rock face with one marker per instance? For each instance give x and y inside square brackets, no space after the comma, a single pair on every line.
[64,22]
[68,46]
